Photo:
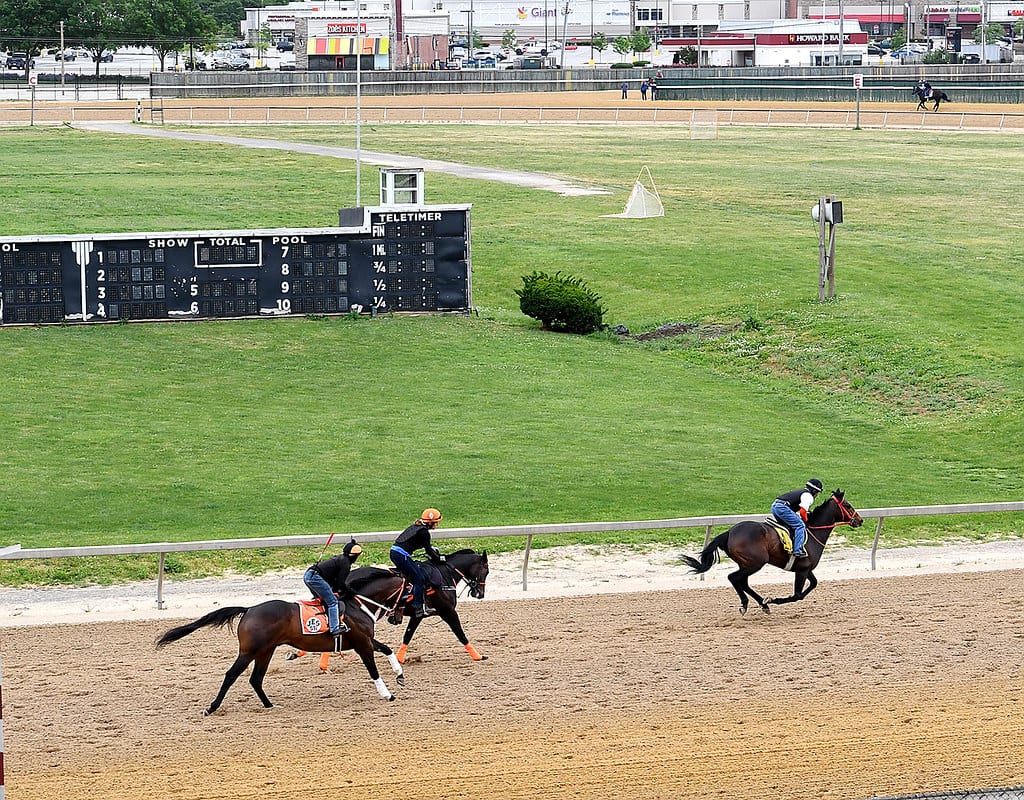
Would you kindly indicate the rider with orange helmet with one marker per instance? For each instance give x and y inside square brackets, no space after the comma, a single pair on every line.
[410,540]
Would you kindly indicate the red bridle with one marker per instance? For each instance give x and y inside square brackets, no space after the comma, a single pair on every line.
[848,516]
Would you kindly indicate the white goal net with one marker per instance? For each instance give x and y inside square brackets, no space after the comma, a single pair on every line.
[643,202]
[704,123]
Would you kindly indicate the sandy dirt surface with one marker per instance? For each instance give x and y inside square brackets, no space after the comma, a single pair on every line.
[624,688]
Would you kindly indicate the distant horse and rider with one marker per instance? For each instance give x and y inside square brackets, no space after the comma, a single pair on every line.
[753,544]
[926,93]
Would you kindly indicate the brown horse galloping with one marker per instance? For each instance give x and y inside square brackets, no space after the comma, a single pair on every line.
[264,627]
[753,544]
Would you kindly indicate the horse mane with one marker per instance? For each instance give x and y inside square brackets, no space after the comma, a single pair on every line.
[358,579]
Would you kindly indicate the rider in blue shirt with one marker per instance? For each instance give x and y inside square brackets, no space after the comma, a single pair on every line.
[792,507]
[410,540]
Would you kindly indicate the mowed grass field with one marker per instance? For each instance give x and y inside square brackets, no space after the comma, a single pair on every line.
[905,390]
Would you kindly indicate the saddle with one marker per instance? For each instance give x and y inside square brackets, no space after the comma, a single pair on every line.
[783,531]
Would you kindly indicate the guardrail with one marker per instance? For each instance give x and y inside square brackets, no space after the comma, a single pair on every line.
[659,115]
[14,552]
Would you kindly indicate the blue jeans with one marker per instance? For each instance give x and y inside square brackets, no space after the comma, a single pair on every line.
[413,572]
[322,589]
[791,518]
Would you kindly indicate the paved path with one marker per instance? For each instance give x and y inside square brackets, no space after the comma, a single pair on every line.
[531,180]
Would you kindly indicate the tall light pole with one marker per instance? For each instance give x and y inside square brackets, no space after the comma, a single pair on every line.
[359,98]
[591,32]
[841,17]
[565,21]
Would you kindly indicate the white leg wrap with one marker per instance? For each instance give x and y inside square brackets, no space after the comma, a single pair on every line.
[394,664]
[382,688]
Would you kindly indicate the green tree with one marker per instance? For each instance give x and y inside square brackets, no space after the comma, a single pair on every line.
[600,41]
[899,39]
[228,13]
[641,42]
[26,26]
[508,38]
[169,25]
[1018,27]
[623,45]
[685,55]
[993,33]
[103,25]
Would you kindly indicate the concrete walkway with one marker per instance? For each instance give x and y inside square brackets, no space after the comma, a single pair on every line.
[529,180]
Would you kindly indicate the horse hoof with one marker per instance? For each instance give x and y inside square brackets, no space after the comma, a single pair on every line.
[208,711]
[291,656]
[391,699]
[766,609]
[743,610]
[401,680]
[483,658]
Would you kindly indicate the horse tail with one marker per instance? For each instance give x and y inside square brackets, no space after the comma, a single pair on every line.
[217,619]
[709,555]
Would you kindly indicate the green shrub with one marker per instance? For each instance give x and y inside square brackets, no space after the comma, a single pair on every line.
[561,302]
[935,56]
[621,65]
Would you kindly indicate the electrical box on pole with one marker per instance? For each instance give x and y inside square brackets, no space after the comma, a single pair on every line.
[828,212]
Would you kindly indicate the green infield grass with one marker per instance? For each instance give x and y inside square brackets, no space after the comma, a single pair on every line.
[904,390]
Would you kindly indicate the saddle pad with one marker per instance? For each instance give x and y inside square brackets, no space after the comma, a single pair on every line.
[313,618]
[783,532]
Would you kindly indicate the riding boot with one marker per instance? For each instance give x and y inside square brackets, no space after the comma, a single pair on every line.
[336,626]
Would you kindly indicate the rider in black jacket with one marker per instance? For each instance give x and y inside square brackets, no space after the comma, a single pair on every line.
[410,540]
[325,578]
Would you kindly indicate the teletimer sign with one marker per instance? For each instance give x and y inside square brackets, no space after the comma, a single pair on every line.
[414,259]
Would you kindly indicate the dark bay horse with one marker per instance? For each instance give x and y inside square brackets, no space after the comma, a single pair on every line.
[753,544]
[388,594]
[264,627]
[937,96]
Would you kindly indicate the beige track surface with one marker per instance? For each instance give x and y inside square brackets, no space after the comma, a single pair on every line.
[123,110]
[867,688]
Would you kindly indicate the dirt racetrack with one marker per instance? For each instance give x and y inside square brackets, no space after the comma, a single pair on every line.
[868,688]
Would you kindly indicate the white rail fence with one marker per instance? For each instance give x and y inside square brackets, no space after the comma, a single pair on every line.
[176,112]
[528,531]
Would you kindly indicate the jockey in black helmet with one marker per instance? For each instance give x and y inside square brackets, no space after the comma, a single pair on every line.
[792,507]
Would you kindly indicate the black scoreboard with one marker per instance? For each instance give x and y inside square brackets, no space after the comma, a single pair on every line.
[414,258]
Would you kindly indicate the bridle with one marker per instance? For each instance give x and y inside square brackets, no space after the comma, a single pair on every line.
[847,516]
[476,587]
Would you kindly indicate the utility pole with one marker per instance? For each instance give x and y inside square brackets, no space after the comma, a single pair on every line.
[62,55]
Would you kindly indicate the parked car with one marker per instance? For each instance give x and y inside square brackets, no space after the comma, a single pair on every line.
[221,60]
[875,50]
[104,58]
[238,62]
[285,46]
[196,63]
[17,61]
[67,55]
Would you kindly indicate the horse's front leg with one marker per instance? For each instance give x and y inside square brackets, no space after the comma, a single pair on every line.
[811,583]
[451,616]
[365,648]
[410,629]
[800,578]
[396,665]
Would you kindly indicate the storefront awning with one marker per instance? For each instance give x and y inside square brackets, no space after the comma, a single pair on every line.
[347,46]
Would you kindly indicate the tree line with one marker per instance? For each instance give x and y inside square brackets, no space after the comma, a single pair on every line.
[100,26]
